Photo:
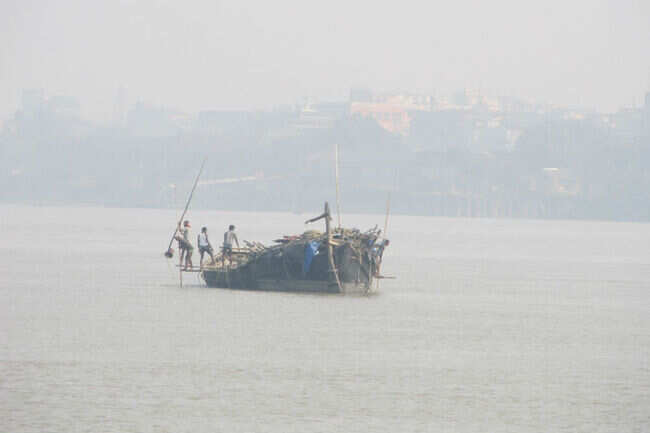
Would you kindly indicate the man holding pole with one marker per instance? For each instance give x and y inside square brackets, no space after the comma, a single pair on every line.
[184,245]
[170,252]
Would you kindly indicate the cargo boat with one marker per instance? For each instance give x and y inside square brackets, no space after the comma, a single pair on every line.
[337,261]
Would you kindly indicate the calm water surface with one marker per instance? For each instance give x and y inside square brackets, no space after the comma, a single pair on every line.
[491,325]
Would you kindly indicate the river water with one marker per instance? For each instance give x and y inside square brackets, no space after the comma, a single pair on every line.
[490,326]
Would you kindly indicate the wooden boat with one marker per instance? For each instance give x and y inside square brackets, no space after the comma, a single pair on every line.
[337,261]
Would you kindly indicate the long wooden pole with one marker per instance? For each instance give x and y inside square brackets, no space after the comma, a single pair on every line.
[330,250]
[187,205]
[338,198]
[384,236]
[387,213]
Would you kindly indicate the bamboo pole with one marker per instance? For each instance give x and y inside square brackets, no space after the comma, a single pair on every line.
[330,250]
[384,236]
[168,253]
[338,197]
[387,213]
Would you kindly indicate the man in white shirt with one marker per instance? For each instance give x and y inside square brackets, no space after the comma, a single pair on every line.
[205,246]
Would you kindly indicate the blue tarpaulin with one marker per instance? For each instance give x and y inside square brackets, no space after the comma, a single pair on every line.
[311,249]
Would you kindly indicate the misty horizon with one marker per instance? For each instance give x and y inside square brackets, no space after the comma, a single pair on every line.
[505,109]
[255,56]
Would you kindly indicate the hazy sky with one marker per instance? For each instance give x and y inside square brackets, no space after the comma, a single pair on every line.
[195,55]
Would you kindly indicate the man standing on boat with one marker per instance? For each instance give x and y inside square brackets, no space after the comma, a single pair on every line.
[228,238]
[185,246]
[377,252]
[204,245]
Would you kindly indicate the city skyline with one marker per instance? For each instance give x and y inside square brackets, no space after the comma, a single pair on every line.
[469,155]
[408,101]
[225,55]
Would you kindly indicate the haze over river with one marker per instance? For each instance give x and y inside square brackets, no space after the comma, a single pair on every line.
[491,325]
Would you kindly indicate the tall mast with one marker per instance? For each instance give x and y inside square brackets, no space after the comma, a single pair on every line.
[336,170]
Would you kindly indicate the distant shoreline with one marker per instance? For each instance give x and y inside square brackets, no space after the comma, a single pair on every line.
[82,205]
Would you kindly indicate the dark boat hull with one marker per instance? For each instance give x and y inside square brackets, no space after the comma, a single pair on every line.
[284,272]
[230,280]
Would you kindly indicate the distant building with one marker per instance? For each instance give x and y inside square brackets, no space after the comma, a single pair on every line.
[58,115]
[360,95]
[322,115]
[148,121]
[391,111]
[629,122]
[216,122]
[64,106]
[469,99]
[33,101]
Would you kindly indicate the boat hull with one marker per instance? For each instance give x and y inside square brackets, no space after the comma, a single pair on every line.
[324,263]
[233,279]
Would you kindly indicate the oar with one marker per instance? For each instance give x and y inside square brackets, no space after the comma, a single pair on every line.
[170,253]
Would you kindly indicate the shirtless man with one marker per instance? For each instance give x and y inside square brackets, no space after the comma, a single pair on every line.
[228,238]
